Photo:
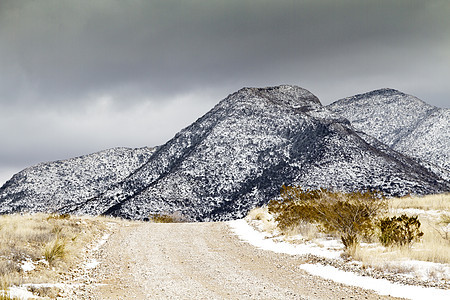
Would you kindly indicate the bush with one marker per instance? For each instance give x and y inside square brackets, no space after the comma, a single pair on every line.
[167,218]
[399,231]
[349,214]
[57,216]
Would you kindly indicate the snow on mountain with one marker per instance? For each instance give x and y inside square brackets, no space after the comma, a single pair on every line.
[240,153]
[403,122]
[235,157]
[51,186]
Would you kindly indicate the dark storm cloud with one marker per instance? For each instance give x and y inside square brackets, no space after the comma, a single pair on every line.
[94,67]
[66,50]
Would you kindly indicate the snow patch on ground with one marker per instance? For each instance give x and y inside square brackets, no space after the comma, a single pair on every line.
[261,240]
[20,292]
[91,264]
[27,265]
[381,286]
[102,241]
[416,211]
[425,269]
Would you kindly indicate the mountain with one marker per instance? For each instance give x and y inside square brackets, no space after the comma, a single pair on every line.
[238,155]
[50,186]
[403,122]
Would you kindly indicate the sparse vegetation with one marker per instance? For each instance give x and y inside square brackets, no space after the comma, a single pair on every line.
[350,215]
[7,297]
[167,218]
[393,226]
[430,202]
[46,244]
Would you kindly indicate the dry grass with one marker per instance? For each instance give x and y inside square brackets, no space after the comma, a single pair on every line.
[266,224]
[433,212]
[53,243]
[430,202]
[434,215]
[7,297]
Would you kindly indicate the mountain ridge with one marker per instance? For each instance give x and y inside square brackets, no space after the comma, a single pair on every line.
[239,154]
[403,122]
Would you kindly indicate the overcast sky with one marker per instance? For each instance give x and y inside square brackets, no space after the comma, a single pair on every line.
[78,76]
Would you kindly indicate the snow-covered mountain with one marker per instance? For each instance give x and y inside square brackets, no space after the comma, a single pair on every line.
[50,186]
[403,122]
[235,157]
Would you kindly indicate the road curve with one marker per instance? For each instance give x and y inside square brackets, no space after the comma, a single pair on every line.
[202,261]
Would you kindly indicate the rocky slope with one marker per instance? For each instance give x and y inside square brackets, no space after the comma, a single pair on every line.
[239,154]
[403,122]
[51,186]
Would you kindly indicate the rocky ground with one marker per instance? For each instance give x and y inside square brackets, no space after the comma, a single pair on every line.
[194,261]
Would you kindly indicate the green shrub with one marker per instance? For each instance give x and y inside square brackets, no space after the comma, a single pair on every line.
[349,214]
[399,231]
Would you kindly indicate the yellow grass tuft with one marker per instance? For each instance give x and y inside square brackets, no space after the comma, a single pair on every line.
[55,250]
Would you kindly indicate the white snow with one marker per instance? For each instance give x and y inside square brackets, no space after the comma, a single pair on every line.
[425,269]
[416,211]
[91,264]
[20,292]
[102,241]
[260,240]
[381,286]
[27,265]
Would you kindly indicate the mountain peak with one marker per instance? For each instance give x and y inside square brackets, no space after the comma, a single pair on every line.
[403,122]
[236,156]
[384,91]
[382,97]
[286,95]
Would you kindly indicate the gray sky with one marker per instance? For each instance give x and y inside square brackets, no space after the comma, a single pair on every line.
[79,76]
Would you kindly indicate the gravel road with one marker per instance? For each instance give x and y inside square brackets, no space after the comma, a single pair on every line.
[200,261]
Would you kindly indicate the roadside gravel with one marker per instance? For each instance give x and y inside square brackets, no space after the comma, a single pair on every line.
[197,261]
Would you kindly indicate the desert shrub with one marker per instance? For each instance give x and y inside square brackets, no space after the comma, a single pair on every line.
[161,218]
[350,215]
[57,216]
[399,231]
[297,205]
[167,218]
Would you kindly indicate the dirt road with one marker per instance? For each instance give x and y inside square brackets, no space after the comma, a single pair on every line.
[201,261]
